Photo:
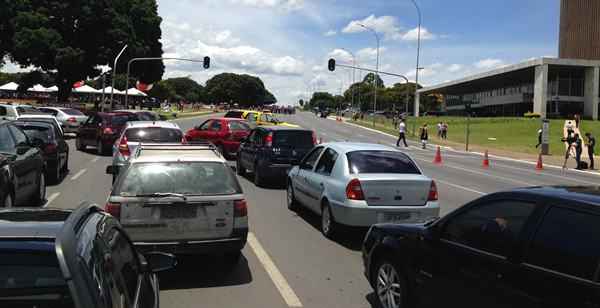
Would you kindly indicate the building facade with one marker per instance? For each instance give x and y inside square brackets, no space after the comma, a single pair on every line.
[579,36]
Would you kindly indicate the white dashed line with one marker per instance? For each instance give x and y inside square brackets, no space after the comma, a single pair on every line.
[461,187]
[290,298]
[51,198]
[78,174]
[95,159]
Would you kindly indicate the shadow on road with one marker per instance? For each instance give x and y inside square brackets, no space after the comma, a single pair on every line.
[372,300]
[205,272]
[349,237]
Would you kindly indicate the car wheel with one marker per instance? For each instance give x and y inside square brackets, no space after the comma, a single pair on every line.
[40,195]
[55,175]
[389,284]
[79,144]
[292,204]
[258,179]
[328,225]
[240,170]
[66,166]
[100,148]
[8,200]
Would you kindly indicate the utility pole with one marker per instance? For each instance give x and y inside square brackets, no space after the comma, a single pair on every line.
[376,80]
[112,90]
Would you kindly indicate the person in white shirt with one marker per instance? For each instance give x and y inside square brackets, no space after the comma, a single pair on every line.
[401,134]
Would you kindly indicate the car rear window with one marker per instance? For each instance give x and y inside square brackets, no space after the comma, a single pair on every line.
[121,119]
[28,110]
[234,114]
[45,133]
[188,178]
[380,162]
[72,111]
[293,138]
[154,134]
[147,116]
[238,125]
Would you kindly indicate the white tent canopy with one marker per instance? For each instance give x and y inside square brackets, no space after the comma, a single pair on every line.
[11,86]
[38,88]
[52,89]
[85,89]
[135,92]
[108,89]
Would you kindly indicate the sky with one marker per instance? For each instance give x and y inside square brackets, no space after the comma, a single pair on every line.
[287,42]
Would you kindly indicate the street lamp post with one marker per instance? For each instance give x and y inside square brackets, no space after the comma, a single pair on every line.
[112,90]
[376,81]
[418,56]
[353,74]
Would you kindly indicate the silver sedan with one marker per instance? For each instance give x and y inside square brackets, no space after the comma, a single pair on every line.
[361,184]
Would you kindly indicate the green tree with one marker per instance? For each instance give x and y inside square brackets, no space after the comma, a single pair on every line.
[301,102]
[369,79]
[163,91]
[244,90]
[71,38]
[322,100]
[187,88]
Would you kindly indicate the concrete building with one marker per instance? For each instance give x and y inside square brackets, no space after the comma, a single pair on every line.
[552,87]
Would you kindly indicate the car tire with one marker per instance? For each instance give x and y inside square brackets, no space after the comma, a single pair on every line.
[239,168]
[100,148]
[39,198]
[8,200]
[388,280]
[55,175]
[292,204]
[258,179]
[65,168]
[79,144]
[329,227]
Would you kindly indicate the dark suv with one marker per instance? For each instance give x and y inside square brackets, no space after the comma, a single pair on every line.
[83,259]
[531,247]
[269,152]
[102,130]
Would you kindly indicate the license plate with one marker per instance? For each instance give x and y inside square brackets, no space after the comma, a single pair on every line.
[175,212]
[397,217]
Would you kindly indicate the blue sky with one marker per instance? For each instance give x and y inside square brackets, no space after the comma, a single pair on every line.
[287,42]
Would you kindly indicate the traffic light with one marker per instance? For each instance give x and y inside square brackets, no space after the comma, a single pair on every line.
[331,64]
[206,62]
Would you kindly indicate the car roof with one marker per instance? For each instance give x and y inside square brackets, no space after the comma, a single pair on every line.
[144,124]
[32,222]
[134,111]
[283,128]
[346,147]
[177,153]
[585,194]
[37,116]
[32,123]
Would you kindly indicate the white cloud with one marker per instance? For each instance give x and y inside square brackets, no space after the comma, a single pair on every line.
[318,69]
[288,5]
[453,68]
[330,33]
[489,63]
[340,55]
[413,35]
[369,53]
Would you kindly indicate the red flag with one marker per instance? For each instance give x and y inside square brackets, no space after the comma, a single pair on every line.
[144,87]
[79,84]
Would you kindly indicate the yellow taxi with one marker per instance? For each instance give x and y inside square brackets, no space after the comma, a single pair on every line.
[264,119]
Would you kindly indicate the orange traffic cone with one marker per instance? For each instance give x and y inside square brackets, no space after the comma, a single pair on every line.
[540,164]
[486,160]
[438,157]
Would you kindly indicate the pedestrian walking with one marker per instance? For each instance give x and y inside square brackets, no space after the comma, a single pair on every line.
[402,134]
[439,129]
[570,129]
[424,136]
[569,140]
[444,130]
[591,143]
[578,150]
[539,138]
[577,120]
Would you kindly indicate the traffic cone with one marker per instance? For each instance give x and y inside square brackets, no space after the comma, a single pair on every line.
[438,157]
[540,164]
[486,160]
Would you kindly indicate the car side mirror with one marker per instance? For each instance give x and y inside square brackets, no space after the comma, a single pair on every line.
[22,148]
[159,262]
[114,170]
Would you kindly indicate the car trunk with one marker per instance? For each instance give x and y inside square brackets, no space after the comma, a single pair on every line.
[381,189]
[165,220]
[290,146]
[288,154]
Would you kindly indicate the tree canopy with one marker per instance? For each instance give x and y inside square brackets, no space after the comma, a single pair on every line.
[244,90]
[70,39]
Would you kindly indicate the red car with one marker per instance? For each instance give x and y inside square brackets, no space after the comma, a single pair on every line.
[225,133]
[101,130]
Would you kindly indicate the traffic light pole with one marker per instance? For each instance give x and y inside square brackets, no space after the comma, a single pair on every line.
[206,62]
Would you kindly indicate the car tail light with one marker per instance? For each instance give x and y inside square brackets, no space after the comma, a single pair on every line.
[184,140]
[72,120]
[113,209]
[354,190]
[240,208]
[123,147]
[314,138]
[50,148]
[269,140]
[108,131]
[433,192]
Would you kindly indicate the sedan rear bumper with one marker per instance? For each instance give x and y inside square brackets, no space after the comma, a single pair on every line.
[365,216]
[201,247]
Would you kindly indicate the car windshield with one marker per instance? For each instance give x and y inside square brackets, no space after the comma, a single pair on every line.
[43,132]
[380,162]
[73,112]
[154,134]
[293,138]
[238,125]
[27,110]
[187,178]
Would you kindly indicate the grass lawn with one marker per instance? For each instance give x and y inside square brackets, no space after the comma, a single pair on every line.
[511,134]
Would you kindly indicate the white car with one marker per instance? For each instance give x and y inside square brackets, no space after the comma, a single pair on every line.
[69,118]
[42,118]
[361,184]
[13,112]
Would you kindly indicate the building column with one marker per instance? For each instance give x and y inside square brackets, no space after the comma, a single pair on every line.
[417,103]
[540,91]
[592,95]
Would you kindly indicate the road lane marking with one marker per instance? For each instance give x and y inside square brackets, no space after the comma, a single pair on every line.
[51,198]
[95,159]
[290,298]
[78,174]
[461,187]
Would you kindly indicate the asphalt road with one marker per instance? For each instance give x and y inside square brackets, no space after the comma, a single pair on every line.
[287,262]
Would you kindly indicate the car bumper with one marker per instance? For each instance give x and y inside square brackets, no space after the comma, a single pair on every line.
[277,170]
[70,129]
[365,216]
[201,247]
[231,147]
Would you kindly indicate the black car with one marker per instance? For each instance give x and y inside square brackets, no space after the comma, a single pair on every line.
[60,258]
[53,145]
[534,247]
[270,151]
[22,179]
